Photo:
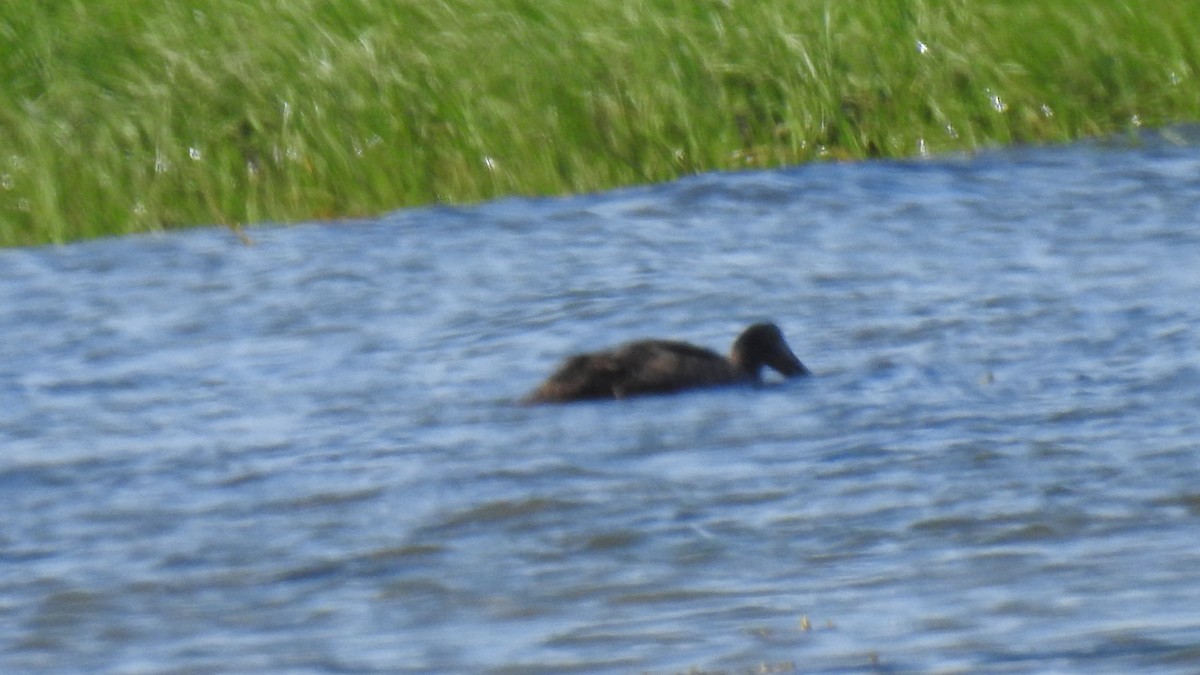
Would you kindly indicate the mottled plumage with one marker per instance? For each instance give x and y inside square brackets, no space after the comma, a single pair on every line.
[662,366]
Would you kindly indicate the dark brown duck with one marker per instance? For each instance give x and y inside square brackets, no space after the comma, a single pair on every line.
[663,366]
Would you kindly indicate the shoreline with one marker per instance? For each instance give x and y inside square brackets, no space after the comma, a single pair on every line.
[119,122]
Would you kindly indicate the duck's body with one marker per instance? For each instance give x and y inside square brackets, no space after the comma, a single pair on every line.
[663,366]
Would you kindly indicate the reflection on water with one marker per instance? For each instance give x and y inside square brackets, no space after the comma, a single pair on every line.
[306,455]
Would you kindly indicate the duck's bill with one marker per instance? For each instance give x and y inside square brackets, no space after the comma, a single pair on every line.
[786,363]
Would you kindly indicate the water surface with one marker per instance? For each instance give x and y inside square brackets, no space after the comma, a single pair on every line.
[306,455]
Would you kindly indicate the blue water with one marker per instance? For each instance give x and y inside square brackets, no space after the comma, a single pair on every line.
[306,454]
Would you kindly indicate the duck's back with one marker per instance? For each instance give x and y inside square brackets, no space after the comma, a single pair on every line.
[643,367]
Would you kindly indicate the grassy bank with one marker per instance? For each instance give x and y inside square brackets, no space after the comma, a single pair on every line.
[120,117]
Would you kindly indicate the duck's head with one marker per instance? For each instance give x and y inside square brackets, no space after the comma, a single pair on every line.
[763,345]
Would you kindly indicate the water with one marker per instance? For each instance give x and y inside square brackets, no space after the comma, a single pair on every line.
[305,454]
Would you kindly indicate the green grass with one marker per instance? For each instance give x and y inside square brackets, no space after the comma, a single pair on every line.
[119,116]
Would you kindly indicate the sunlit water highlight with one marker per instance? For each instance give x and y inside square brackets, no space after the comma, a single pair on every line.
[305,454]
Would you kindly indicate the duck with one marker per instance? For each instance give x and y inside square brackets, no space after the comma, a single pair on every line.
[645,367]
